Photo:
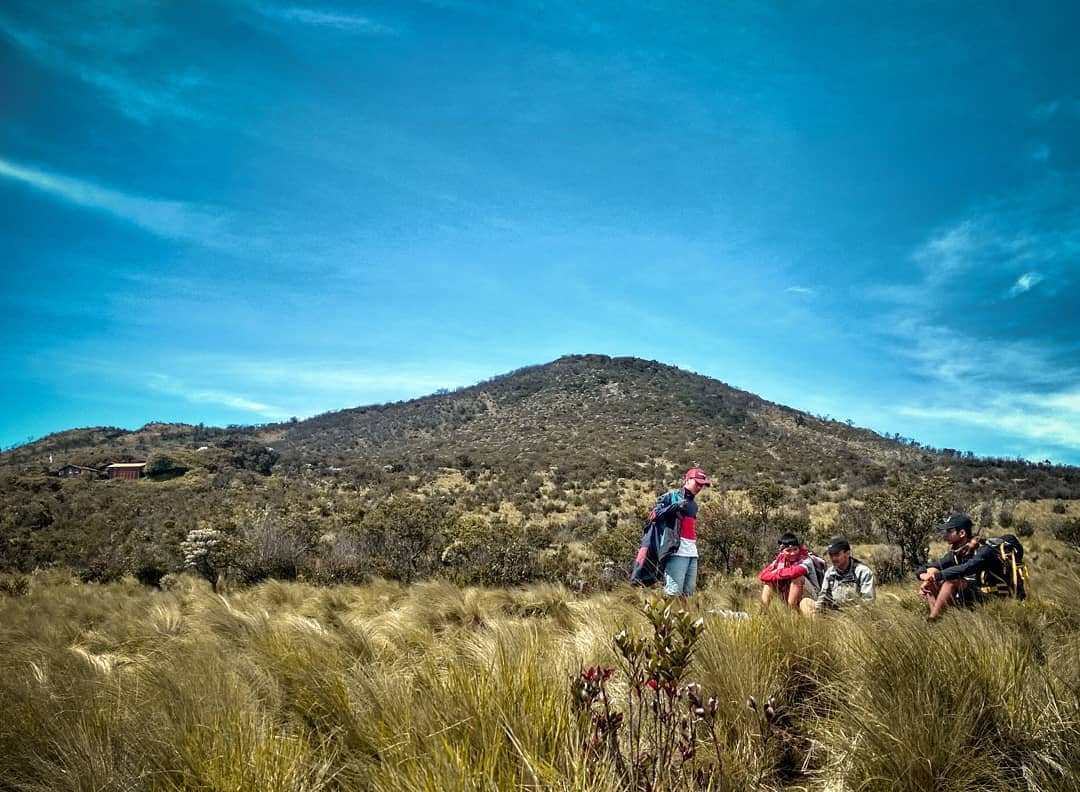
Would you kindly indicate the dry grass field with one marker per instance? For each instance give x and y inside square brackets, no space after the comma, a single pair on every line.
[435,687]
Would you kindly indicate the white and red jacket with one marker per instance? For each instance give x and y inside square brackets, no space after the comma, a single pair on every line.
[784,568]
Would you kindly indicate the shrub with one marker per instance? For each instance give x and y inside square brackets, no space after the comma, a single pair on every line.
[148,560]
[104,567]
[765,497]
[170,582]
[14,585]
[1068,531]
[727,536]
[256,457]
[270,549]
[617,544]
[797,523]
[162,466]
[1023,527]
[652,738]
[489,554]
[210,553]
[886,564]
[149,574]
[907,512]
[339,559]
[405,537]
[582,525]
[856,523]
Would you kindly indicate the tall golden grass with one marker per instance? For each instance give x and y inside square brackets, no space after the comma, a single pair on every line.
[434,687]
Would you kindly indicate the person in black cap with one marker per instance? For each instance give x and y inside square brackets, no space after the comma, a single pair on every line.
[847,581]
[960,576]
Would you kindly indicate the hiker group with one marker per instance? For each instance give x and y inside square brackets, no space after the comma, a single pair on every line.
[973,570]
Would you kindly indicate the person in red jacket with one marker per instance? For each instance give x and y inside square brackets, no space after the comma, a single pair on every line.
[791,576]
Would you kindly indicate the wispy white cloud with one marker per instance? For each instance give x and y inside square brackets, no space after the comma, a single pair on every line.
[1016,386]
[1068,401]
[1025,283]
[946,255]
[1040,227]
[333,20]
[234,401]
[341,383]
[271,388]
[958,360]
[799,290]
[1044,111]
[169,219]
[93,47]
[1031,416]
[298,387]
[198,395]
[1056,108]
[949,251]
[266,236]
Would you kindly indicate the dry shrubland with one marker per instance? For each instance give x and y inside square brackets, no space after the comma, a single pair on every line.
[285,686]
[401,671]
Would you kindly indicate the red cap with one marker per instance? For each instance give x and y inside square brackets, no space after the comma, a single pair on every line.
[698,475]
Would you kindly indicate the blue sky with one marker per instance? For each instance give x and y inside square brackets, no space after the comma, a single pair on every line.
[241,211]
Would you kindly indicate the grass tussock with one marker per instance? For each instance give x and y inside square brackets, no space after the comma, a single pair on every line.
[436,687]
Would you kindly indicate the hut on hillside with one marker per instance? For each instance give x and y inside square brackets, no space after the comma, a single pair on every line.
[74,471]
[125,470]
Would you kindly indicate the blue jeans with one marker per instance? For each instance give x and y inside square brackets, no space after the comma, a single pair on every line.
[680,576]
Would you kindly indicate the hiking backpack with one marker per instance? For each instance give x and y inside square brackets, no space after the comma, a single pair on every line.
[1011,553]
[656,544]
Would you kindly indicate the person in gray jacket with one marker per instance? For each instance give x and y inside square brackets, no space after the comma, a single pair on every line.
[847,581]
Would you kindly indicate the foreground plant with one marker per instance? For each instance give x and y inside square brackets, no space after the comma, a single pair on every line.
[666,724]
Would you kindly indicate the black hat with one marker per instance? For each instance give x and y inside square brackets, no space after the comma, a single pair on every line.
[838,543]
[788,540]
[956,522]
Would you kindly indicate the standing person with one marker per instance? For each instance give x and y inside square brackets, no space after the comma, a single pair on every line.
[669,543]
[792,575]
[848,580]
[973,570]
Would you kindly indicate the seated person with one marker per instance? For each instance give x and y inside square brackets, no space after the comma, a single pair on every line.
[791,576]
[848,581]
[967,572]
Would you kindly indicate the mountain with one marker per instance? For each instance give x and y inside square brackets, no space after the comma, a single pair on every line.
[550,460]
[583,417]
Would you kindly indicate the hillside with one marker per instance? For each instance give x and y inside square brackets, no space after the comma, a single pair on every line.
[586,417]
[559,457]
